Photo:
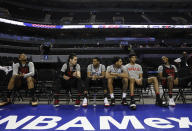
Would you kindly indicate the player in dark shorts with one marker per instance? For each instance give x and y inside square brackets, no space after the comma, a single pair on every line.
[116,73]
[71,77]
[96,75]
[136,77]
[169,77]
[23,72]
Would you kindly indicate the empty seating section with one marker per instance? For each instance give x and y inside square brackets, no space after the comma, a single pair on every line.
[62,18]
[133,12]
[31,15]
[168,18]
[131,18]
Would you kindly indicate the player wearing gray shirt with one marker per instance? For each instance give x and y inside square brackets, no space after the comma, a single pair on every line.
[96,70]
[134,70]
[96,77]
[22,72]
[136,77]
[117,74]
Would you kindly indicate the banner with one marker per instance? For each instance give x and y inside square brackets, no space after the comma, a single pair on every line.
[95,26]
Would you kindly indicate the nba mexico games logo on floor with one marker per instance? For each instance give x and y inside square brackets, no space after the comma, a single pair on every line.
[84,123]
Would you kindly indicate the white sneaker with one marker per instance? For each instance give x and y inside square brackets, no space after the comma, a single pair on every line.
[132,105]
[84,102]
[106,102]
[171,102]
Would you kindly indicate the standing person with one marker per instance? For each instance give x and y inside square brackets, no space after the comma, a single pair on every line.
[183,61]
[71,77]
[136,77]
[116,73]
[96,75]
[23,72]
[45,48]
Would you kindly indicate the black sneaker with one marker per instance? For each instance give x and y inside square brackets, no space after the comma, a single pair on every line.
[112,101]
[132,105]
[56,103]
[160,102]
[124,101]
[34,102]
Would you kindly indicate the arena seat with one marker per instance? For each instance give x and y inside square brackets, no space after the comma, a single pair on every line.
[45,83]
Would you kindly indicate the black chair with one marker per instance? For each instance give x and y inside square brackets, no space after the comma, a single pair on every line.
[4,80]
[3,83]
[94,89]
[138,93]
[65,94]
[22,92]
[185,75]
[178,91]
[45,83]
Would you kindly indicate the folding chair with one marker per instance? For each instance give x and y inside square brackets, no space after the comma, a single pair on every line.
[95,88]
[184,84]
[45,83]
[138,93]
[3,83]
[64,94]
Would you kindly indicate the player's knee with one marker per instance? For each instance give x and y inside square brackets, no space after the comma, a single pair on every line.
[125,80]
[9,88]
[132,80]
[30,80]
[154,79]
[14,76]
[170,78]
